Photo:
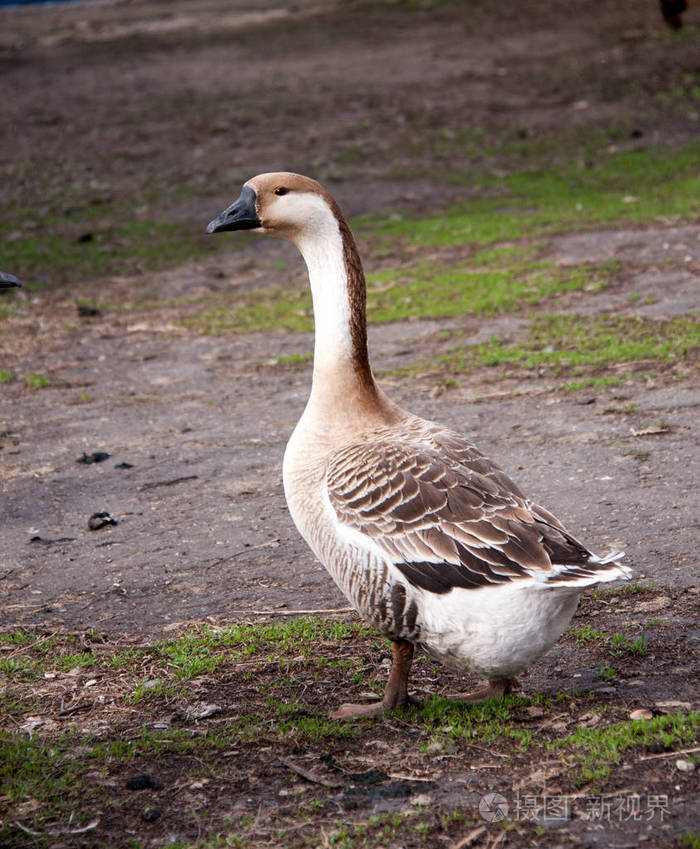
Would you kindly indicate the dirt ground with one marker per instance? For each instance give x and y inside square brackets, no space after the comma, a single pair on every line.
[117,97]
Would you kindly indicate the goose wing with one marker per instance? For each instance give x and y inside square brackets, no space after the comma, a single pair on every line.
[448,517]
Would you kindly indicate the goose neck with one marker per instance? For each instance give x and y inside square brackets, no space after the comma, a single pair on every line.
[338,292]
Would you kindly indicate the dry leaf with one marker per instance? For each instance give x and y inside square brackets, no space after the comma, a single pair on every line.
[641,713]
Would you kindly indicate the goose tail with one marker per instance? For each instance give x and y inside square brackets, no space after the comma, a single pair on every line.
[596,570]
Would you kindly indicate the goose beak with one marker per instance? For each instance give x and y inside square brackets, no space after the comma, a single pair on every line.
[241,215]
[8,281]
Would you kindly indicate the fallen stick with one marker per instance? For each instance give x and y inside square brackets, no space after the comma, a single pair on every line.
[307,774]
[290,612]
[670,754]
[171,482]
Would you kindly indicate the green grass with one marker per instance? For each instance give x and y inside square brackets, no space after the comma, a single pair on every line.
[38,769]
[260,310]
[486,723]
[294,360]
[75,771]
[596,750]
[439,291]
[585,634]
[423,290]
[37,381]
[5,375]
[193,653]
[82,398]
[635,588]
[588,382]
[628,187]
[562,343]
[126,245]
[620,646]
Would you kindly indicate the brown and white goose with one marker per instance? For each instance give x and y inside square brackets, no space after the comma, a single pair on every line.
[427,538]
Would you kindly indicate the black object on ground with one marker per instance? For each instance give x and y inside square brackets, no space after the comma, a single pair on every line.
[100,520]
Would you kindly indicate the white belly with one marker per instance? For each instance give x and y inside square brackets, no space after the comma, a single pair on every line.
[495,631]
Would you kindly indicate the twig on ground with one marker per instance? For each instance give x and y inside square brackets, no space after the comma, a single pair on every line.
[31,645]
[171,482]
[468,839]
[69,711]
[399,777]
[305,612]
[308,774]
[670,754]
[28,830]
[271,543]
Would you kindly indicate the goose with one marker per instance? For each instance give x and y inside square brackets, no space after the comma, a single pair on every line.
[427,538]
[8,281]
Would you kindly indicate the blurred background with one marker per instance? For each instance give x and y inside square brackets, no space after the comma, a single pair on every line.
[127,124]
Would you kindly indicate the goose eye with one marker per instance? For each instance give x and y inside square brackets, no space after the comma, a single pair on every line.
[280,190]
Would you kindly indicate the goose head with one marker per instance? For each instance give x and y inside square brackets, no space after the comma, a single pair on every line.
[279,204]
[8,281]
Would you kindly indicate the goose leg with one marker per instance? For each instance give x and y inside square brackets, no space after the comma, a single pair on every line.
[396,692]
[496,689]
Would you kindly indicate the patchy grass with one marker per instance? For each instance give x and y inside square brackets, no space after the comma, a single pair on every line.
[597,749]
[32,656]
[627,187]
[437,291]
[421,290]
[256,311]
[606,673]
[100,714]
[589,382]
[585,634]
[37,381]
[564,344]
[79,247]
[294,360]
[620,645]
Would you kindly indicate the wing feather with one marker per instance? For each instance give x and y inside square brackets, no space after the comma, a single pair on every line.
[448,517]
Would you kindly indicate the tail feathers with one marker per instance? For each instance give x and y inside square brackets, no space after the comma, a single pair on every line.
[596,570]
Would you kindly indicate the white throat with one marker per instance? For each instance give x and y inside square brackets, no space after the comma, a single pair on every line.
[323,253]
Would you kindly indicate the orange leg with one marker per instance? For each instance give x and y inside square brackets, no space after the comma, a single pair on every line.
[496,689]
[396,692]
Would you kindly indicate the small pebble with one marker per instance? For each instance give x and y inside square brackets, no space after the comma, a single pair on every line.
[95,457]
[685,766]
[84,311]
[150,814]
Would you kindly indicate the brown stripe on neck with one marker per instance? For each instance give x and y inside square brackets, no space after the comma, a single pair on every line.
[357,295]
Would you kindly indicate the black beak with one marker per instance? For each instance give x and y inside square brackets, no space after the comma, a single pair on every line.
[8,281]
[241,215]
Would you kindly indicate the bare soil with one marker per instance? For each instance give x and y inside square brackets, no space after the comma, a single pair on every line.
[206,94]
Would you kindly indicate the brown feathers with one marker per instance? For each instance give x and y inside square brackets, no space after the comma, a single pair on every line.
[446,516]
